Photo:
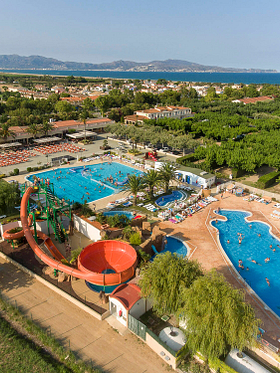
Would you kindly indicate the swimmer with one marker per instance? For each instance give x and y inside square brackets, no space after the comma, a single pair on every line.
[94,188]
[247,269]
[253,261]
[85,187]
[267,260]
[270,246]
[227,241]
[104,188]
[240,263]
[259,234]
[267,280]
[240,241]
[100,191]
[250,226]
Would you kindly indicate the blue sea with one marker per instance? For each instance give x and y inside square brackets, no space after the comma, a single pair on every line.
[246,78]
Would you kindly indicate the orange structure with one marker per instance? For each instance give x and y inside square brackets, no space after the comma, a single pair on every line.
[95,261]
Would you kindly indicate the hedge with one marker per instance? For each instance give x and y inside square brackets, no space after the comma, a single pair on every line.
[186,159]
[237,172]
[266,180]
[216,364]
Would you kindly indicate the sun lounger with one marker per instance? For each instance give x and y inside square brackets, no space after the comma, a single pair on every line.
[173,221]
[3,216]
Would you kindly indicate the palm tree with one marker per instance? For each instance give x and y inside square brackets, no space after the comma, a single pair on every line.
[83,117]
[5,131]
[33,129]
[46,127]
[134,185]
[167,174]
[150,180]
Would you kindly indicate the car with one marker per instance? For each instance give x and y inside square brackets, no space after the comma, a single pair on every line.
[164,149]
[176,152]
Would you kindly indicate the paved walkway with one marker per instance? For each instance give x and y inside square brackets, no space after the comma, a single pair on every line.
[91,339]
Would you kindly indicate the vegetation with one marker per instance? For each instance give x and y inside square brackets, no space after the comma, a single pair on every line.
[166,287]
[135,239]
[9,197]
[167,174]
[151,180]
[217,316]
[134,185]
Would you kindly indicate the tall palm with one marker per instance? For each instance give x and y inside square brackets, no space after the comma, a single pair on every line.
[83,117]
[134,185]
[151,180]
[167,174]
[5,131]
[33,129]
[46,127]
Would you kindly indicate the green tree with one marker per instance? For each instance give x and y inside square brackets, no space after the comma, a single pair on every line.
[63,107]
[5,131]
[151,180]
[217,316]
[83,117]
[103,103]
[46,127]
[165,279]
[167,174]
[134,185]
[9,197]
[34,129]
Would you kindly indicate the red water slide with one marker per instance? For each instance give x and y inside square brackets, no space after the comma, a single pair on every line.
[111,250]
[151,155]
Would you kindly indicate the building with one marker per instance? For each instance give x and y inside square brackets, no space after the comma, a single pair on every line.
[174,112]
[196,177]
[61,128]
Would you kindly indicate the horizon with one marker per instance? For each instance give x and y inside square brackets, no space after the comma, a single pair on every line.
[215,34]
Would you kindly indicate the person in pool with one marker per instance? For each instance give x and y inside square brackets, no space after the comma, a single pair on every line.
[267,280]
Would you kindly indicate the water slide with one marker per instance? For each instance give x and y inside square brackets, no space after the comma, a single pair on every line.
[122,258]
[152,156]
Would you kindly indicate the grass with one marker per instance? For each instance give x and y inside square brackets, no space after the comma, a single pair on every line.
[25,347]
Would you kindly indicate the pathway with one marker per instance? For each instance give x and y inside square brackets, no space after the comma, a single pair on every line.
[89,338]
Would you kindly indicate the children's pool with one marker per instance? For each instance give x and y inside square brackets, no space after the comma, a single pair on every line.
[175,246]
[88,183]
[253,247]
[128,214]
[163,201]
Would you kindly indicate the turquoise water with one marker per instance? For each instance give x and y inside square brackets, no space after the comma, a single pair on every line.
[175,246]
[246,78]
[253,247]
[162,201]
[87,183]
[118,212]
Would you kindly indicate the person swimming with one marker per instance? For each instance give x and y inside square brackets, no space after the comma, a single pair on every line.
[267,260]
[267,280]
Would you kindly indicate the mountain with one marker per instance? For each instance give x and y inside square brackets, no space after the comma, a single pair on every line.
[43,63]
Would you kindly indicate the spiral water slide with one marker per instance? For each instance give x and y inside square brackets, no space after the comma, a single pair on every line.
[97,258]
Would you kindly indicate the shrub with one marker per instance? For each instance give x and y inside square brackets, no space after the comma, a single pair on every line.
[76,205]
[237,173]
[2,175]
[185,160]
[135,239]
[266,180]
[29,169]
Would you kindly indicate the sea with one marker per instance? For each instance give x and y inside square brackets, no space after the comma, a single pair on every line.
[246,78]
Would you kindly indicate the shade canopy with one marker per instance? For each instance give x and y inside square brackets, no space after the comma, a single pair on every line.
[45,140]
[82,134]
[10,145]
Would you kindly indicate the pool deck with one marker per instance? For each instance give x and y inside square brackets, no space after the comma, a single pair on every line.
[204,246]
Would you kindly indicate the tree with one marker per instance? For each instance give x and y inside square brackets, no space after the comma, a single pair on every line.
[5,131]
[83,117]
[9,197]
[46,127]
[103,103]
[33,129]
[151,179]
[134,185]
[165,279]
[167,174]
[217,316]
[63,107]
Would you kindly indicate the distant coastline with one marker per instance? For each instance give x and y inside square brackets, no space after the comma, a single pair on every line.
[222,77]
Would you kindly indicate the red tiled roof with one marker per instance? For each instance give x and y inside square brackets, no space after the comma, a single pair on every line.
[134,117]
[127,294]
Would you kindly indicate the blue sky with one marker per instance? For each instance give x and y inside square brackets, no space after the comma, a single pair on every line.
[223,33]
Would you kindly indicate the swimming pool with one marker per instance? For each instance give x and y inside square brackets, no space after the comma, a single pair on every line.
[252,247]
[87,183]
[128,214]
[175,246]
[163,201]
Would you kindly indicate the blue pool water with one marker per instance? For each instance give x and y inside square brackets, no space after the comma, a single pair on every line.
[162,201]
[87,183]
[118,212]
[256,248]
[175,246]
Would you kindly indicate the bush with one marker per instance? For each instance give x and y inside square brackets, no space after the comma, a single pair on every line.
[266,180]
[29,169]
[237,173]
[76,205]
[2,175]
[186,159]
[135,239]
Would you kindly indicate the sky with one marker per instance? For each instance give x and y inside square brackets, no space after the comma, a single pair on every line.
[227,33]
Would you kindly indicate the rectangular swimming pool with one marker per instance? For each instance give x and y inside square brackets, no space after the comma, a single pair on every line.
[87,183]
